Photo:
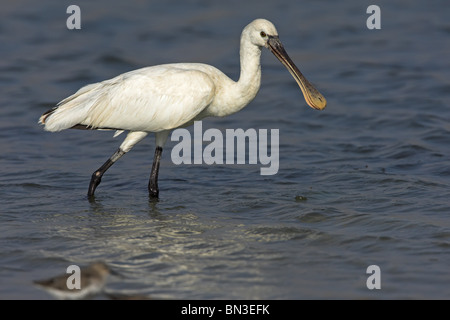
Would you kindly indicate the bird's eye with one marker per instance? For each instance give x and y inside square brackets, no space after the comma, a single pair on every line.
[263,34]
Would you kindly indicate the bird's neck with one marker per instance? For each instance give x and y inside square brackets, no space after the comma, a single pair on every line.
[250,77]
[235,96]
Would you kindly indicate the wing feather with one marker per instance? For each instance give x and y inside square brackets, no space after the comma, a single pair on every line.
[148,99]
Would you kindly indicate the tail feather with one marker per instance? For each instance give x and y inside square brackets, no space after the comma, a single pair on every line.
[46,114]
[72,110]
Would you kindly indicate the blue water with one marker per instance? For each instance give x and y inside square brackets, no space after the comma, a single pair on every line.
[363,182]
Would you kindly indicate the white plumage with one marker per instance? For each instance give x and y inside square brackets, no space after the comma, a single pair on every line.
[161,98]
[150,99]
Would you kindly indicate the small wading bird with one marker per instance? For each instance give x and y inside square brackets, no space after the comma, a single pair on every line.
[92,281]
[164,97]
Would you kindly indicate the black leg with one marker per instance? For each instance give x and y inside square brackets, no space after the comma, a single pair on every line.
[153,183]
[97,175]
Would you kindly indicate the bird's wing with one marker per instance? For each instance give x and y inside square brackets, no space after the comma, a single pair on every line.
[149,99]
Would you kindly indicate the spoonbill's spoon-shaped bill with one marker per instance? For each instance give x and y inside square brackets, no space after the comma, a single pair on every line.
[312,96]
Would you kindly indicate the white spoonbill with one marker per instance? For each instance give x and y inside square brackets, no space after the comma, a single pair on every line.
[164,97]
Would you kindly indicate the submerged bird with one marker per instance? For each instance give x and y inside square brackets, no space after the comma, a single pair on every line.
[92,280]
[164,97]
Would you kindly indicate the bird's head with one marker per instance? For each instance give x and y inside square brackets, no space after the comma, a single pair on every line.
[263,33]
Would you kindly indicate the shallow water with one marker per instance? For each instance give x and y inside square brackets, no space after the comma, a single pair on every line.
[366,181]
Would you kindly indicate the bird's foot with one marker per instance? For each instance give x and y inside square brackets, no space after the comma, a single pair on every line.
[95,181]
[153,191]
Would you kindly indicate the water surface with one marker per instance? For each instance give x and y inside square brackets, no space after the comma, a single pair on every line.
[366,181]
